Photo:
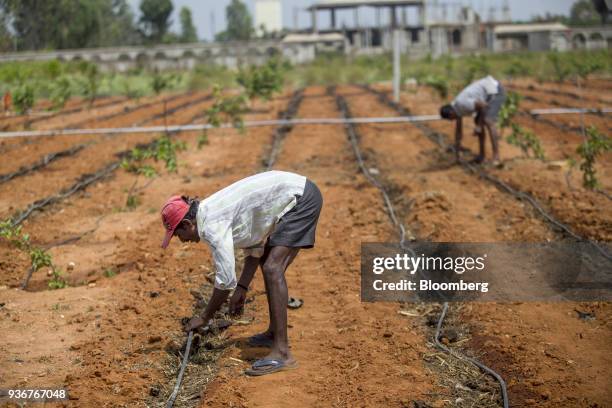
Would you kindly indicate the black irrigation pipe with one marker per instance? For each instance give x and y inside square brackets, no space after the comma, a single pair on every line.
[42,162]
[175,109]
[460,356]
[281,131]
[179,379]
[125,111]
[47,159]
[440,140]
[353,137]
[79,108]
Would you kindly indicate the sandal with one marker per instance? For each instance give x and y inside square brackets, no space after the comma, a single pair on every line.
[269,366]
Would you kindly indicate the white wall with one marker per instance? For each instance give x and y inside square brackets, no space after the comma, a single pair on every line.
[268,13]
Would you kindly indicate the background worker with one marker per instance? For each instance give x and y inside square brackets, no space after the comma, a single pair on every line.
[271,215]
[484,98]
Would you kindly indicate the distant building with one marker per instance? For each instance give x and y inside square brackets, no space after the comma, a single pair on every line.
[531,37]
[269,15]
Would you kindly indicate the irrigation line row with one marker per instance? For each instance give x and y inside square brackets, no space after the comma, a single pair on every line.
[460,356]
[44,161]
[353,138]
[456,354]
[558,93]
[279,134]
[440,140]
[282,129]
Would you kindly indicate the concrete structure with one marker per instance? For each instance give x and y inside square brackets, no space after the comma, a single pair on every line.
[175,56]
[377,38]
[591,38]
[531,37]
[269,15]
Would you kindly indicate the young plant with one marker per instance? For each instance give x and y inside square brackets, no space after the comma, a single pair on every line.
[438,83]
[202,139]
[92,82]
[586,65]
[227,108]
[164,149]
[262,82]
[160,82]
[527,141]
[595,145]
[23,98]
[61,92]
[57,279]
[509,109]
[560,69]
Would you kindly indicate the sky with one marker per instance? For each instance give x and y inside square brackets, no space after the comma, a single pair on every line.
[209,15]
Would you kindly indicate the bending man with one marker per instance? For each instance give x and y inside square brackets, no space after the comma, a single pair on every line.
[271,216]
[485,98]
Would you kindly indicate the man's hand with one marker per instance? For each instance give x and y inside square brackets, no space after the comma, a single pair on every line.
[193,324]
[237,301]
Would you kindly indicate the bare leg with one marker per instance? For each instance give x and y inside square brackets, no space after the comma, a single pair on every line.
[492,128]
[274,269]
[481,148]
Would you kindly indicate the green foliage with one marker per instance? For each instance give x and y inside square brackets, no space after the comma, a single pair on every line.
[586,65]
[239,23]
[227,109]
[160,81]
[438,83]
[527,141]
[91,81]
[164,149]
[561,70]
[110,272]
[23,98]
[262,82]
[39,258]
[583,12]
[188,30]
[155,18]
[509,109]
[57,280]
[61,92]
[478,66]
[596,144]
[516,68]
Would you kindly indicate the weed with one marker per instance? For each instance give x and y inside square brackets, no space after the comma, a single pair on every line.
[110,272]
[57,280]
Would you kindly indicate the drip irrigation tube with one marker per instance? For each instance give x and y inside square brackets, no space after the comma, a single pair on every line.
[352,134]
[566,111]
[282,129]
[445,307]
[460,356]
[44,161]
[179,379]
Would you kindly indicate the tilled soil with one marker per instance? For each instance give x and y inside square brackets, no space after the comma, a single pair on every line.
[104,337]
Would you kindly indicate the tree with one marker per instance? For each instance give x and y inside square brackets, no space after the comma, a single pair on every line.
[601,6]
[239,23]
[57,24]
[188,30]
[583,12]
[155,19]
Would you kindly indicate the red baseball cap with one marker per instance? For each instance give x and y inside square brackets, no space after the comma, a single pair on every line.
[173,212]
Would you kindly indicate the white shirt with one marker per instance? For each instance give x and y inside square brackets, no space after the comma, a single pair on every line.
[465,103]
[243,215]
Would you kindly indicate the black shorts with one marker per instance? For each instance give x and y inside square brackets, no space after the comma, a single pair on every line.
[297,228]
[495,103]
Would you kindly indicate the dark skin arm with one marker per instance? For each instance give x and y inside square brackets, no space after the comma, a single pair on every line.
[219,296]
[238,298]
